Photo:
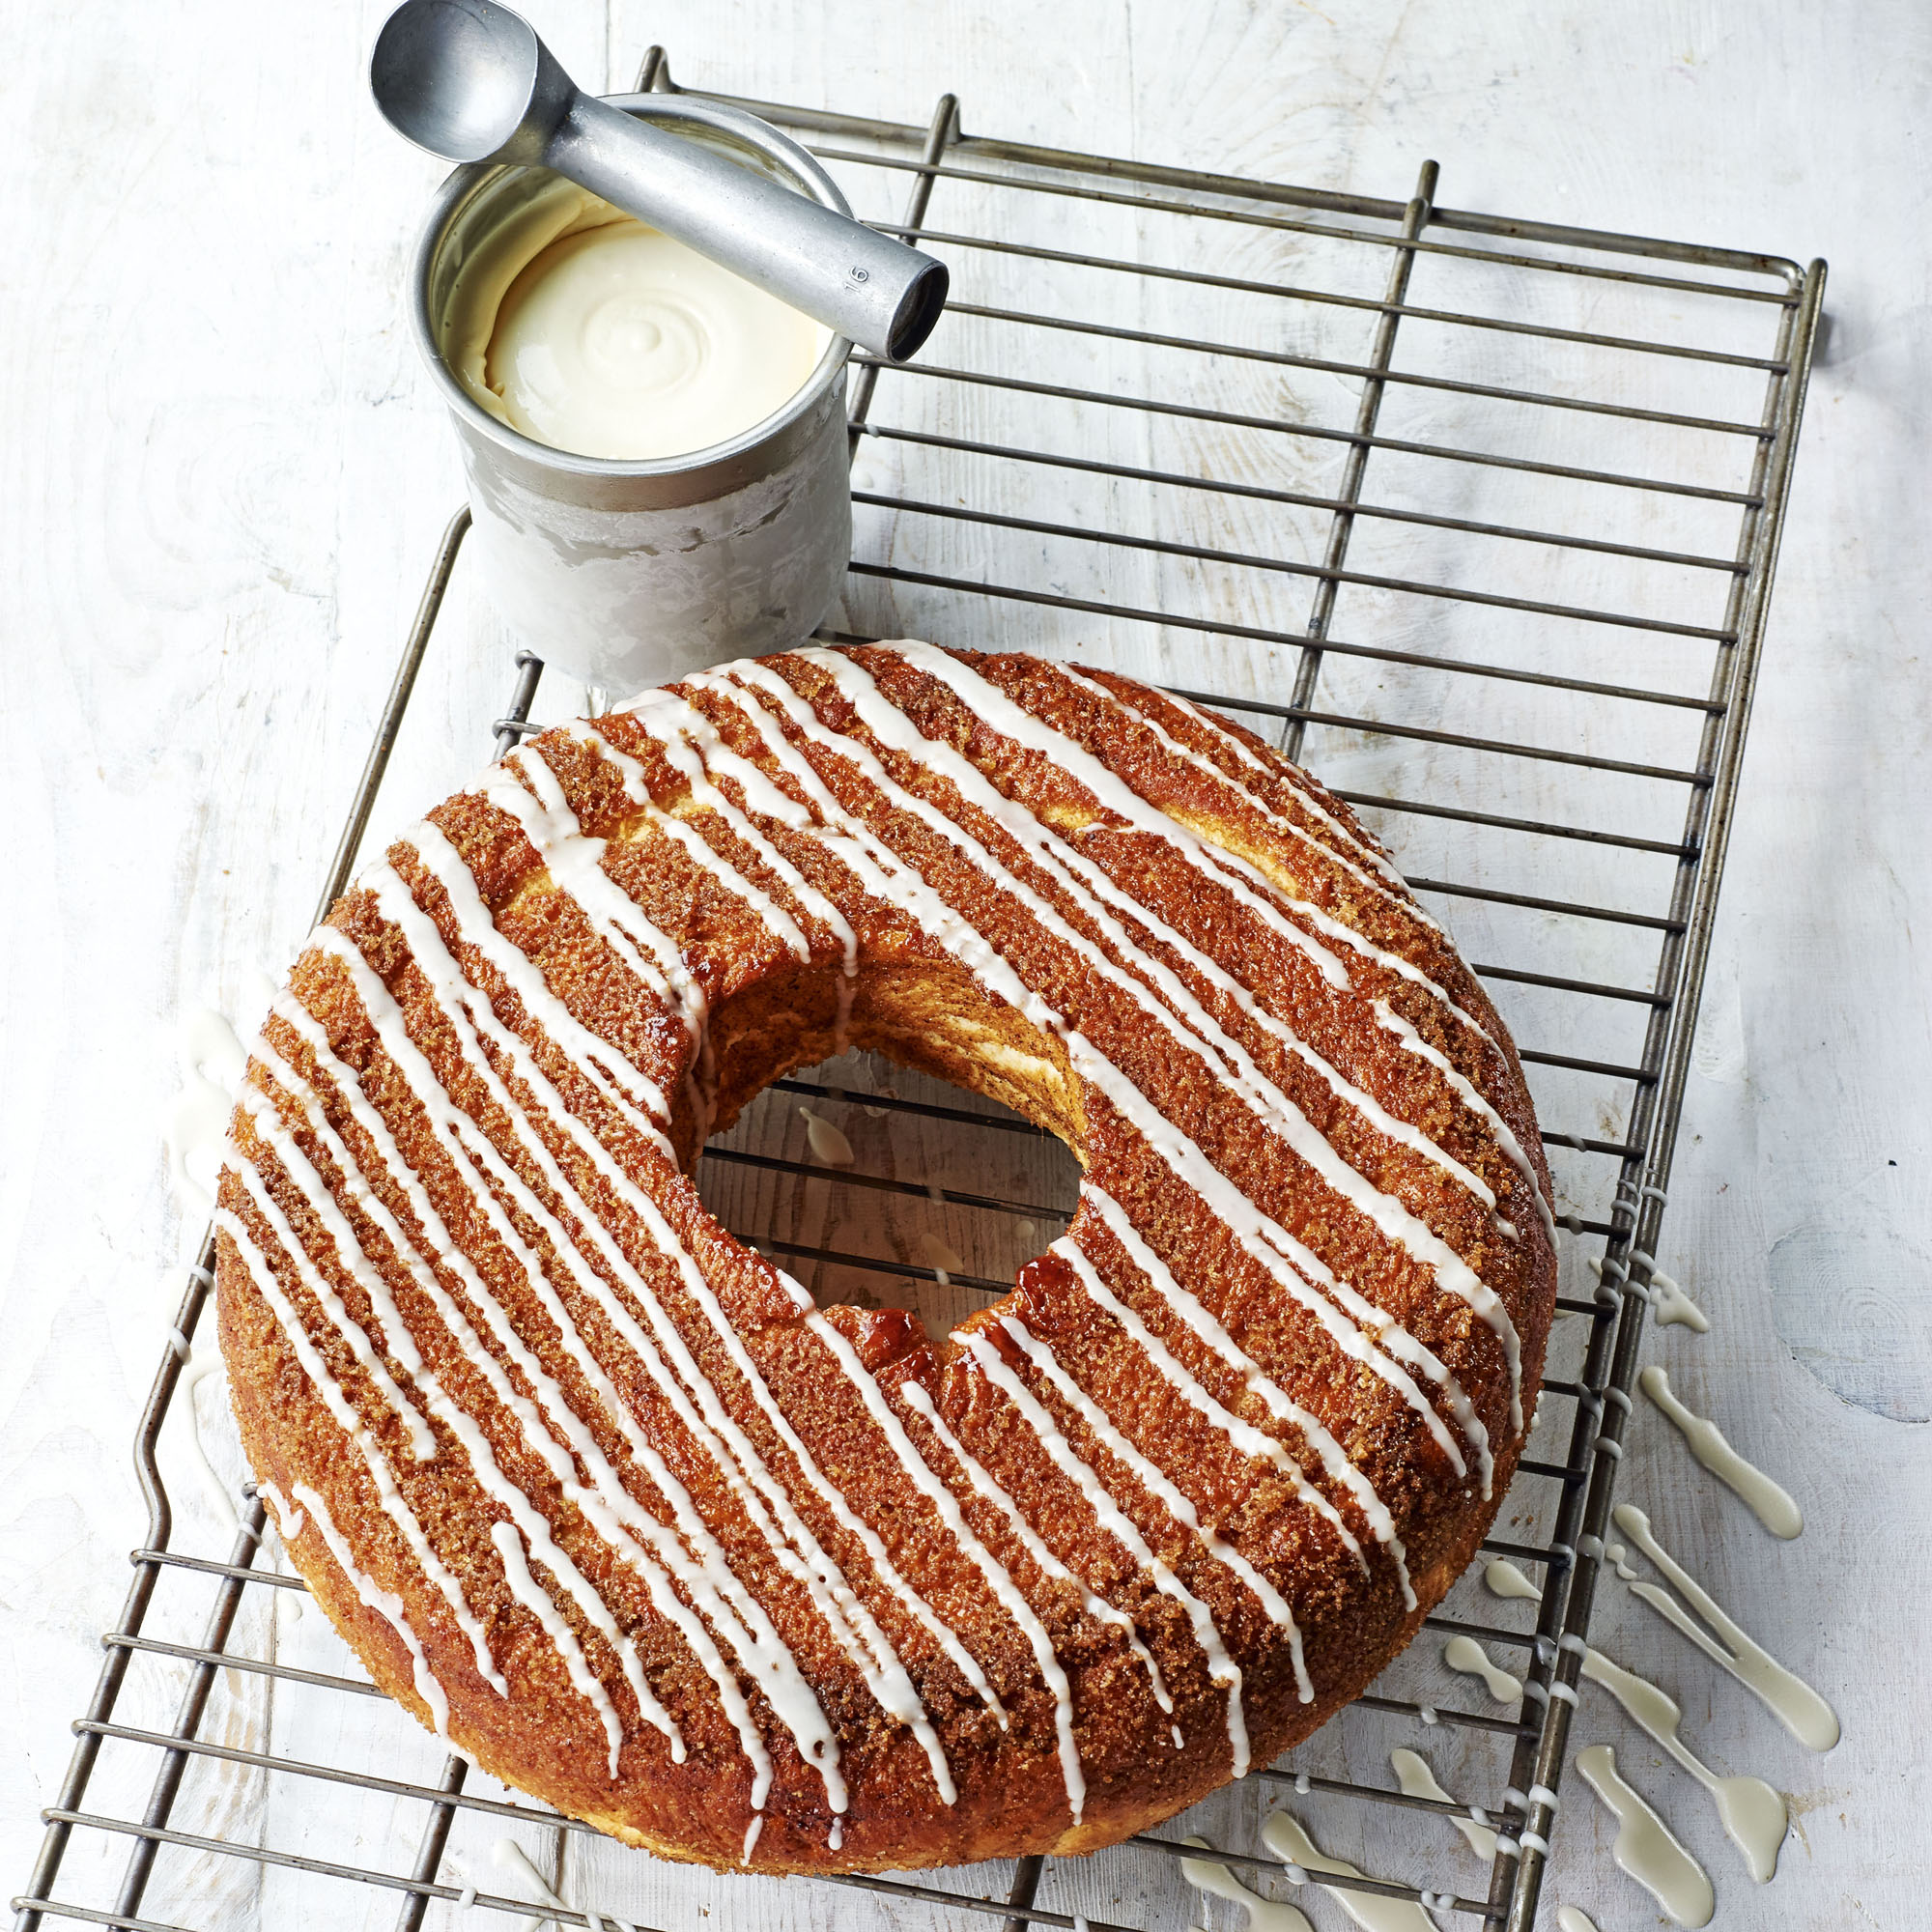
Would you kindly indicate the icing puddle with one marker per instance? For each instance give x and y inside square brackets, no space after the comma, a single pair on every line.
[1466,1655]
[1799,1708]
[1669,1305]
[1412,1772]
[827,1140]
[1751,1813]
[1645,1848]
[1284,1837]
[211,1064]
[509,1856]
[1265,1915]
[1504,1580]
[205,1364]
[1766,1500]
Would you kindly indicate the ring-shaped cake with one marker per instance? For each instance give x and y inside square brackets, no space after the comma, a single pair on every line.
[595,1489]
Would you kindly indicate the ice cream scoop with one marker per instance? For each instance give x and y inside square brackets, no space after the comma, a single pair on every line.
[470,82]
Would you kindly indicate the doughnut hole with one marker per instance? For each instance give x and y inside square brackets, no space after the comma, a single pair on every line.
[919,1170]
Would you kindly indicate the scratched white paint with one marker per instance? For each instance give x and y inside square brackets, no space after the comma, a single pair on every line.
[227,475]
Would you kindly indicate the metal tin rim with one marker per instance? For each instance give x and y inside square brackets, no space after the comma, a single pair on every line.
[466,181]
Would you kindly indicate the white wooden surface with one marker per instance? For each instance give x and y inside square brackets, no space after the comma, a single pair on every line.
[225,475]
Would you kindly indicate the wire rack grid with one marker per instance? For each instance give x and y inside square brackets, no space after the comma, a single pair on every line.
[1528,656]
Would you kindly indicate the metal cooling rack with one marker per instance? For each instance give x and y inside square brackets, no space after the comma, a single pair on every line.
[1528,656]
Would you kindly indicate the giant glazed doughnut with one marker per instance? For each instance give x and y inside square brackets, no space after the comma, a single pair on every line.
[597,1491]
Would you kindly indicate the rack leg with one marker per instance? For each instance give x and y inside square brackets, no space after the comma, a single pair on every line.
[1381,355]
[1026,1883]
[193,1705]
[435,1837]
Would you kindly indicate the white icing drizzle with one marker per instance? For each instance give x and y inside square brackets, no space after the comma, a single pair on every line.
[1504,1580]
[266,1123]
[495,1484]
[1190,1310]
[1751,1813]
[1645,1848]
[385,1603]
[574,862]
[1265,1915]
[1799,1708]
[1465,1091]
[622,1522]
[1412,1772]
[1306,787]
[751,1832]
[922,1479]
[461,1001]
[480,1455]
[1227,870]
[694,749]
[1187,1022]
[1294,1266]
[999,1579]
[779,923]
[288,1520]
[1466,1655]
[474,921]
[984,1485]
[1766,1500]
[1670,1305]
[1364,1103]
[574,1246]
[511,1857]
[466,1009]
[1283,1834]
[1221,1667]
[1331,928]
[536,1599]
[475,928]
[1158,1485]
[394,1504]
[886,877]
[210,1062]
[536,1532]
[1245,1438]
[1391,887]
[199,1366]
[384,1012]
[1574,1918]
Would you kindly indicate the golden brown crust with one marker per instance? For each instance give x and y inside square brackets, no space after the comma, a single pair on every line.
[469,1204]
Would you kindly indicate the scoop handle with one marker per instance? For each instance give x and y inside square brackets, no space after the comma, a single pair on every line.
[871,288]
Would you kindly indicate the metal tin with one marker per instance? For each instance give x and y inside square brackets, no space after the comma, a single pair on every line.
[632,572]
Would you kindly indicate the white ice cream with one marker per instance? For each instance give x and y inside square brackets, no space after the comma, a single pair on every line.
[588,331]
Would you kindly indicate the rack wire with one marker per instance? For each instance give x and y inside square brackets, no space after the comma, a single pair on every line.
[1527,657]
